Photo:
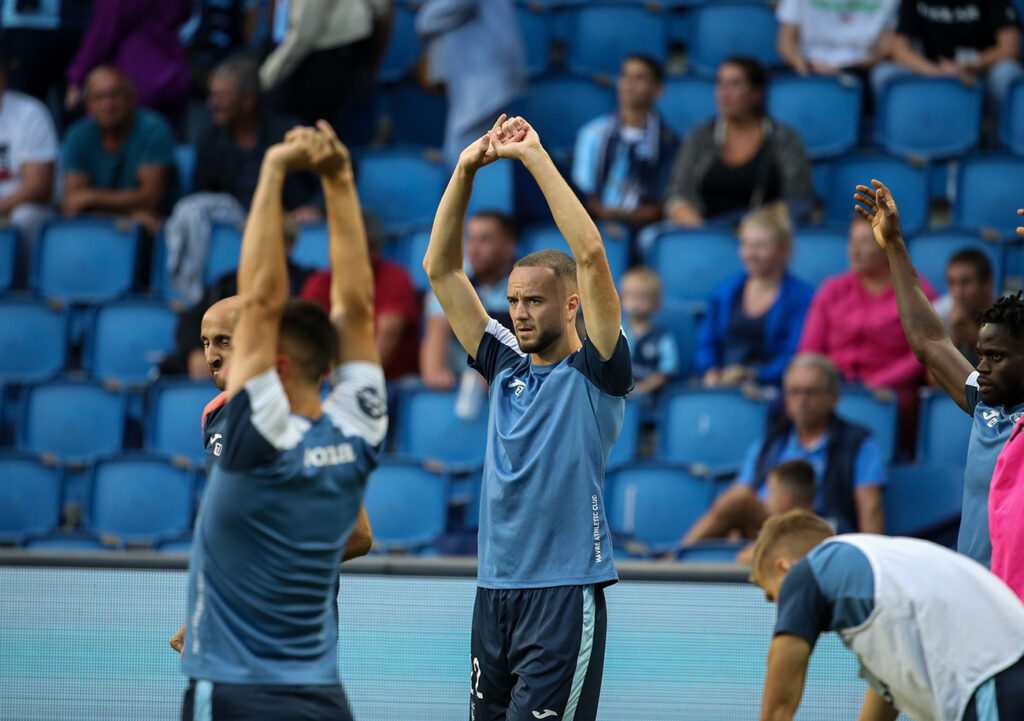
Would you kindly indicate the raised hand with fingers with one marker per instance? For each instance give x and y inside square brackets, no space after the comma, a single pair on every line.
[299,151]
[514,138]
[876,205]
[481,151]
[334,158]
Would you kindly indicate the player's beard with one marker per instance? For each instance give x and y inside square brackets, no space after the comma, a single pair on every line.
[543,339]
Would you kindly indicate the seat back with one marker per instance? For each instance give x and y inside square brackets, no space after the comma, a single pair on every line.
[127,339]
[429,428]
[140,499]
[33,336]
[711,428]
[73,420]
[174,417]
[30,496]
[407,505]
[928,117]
[84,261]
[824,111]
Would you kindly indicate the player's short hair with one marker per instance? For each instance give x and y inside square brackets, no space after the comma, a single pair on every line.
[797,479]
[973,256]
[653,65]
[561,263]
[793,533]
[1008,312]
[309,338]
[647,276]
[774,218]
[505,222]
[823,363]
[243,71]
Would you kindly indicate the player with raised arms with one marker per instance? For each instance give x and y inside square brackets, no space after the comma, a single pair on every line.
[556,407]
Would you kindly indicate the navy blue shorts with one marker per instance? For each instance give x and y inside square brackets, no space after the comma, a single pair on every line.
[537,653]
[206,701]
[1001,698]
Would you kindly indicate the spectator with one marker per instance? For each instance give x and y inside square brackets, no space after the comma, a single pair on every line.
[491,239]
[474,48]
[28,160]
[826,38]
[969,279]
[791,486]
[847,461]
[622,161]
[740,160]
[654,351]
[753,321]
[120,160]
[959,39]
[396,308]
[139,38]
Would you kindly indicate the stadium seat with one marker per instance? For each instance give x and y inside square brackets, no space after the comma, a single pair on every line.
[824,111]
[33,336]
[818,253]
[140,499]
[404,45]
[176,545]
[225,249]
[687,102]
[403,188]
[875,411]
[428,428]
[415,249]
[492,190]
[627,444]
[909,186]
[928,118]
[546,237]
[311,247]
[943,433]
[557,121]
[931,251]
[920,499]
[710,428]
[988,193]
[174,416]
[721,29]
[87,260]
[536,33]
[30,496]
[185,163]
[680,319]
[692,263]
[603,35]
[127,339]
[416,116]
[654,504]
[73,420]
[407,506]
[8,257]
[711,551]
[1011,127]
[65,542]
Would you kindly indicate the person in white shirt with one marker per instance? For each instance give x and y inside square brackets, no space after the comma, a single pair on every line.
[826,38]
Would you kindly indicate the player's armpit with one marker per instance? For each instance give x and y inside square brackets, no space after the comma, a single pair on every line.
[784,680]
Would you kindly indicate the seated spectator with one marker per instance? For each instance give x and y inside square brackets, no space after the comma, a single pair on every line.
[622,161]
[826,38]
[740,160]
[958,39]
[969,279]
[654,350]
[140,38]
[28,159]
[791,486]
[491,239]
[396,308]
[121,159]
[854,320]
[753,321]
[847,462]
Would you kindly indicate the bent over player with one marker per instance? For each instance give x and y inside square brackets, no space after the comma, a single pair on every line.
[284,493]
[556,407]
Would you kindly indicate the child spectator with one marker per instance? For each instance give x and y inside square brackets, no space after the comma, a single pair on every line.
[790,486]
[654,351]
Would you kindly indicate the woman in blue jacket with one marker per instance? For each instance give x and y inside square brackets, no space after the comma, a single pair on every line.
[753,320]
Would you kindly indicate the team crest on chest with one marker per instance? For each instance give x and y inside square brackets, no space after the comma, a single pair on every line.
[518,385]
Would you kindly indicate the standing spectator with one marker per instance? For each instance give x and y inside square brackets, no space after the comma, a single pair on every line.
[28,160]
[826,38]
[969,279]
[653,349]
[476,51]
[121,159]
[622,161]
[139,38]
[740,160]
[753,321]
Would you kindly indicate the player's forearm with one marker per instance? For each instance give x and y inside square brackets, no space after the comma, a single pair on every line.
[351,272]
[444,253]
[784,679]
[262,268]
[921,323]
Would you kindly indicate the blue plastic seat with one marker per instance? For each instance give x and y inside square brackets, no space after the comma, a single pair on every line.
[873,411]
[710,428]
[30,496]
[930,253]
[225,250]
[128,339]
[429,428]
[64,542]
[687,102]
[84,261]
[988,193]
[909,186]
[943,433]
[174,417]
[557,122]
[312,248]
[73,420]
[603,35]
[1011,127]
[692,263]
[627,444]
[536,33]
[680,319]
[548,237]
[919,499]
[721,29]
[33,336]
[415,249]
[824,111]
[404,45]
[140,499]
[8,257]
[928,117]
[654,504]
[407,506]
[403,188]
[718,551]
[818,253]
[493,189]
[185,162]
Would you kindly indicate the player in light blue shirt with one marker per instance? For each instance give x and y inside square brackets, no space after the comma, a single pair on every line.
[556,407]
[993,393]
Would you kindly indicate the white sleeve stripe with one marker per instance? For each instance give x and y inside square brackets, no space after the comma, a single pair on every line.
[271,413]
[972,379]
[357,406]
[504,335]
